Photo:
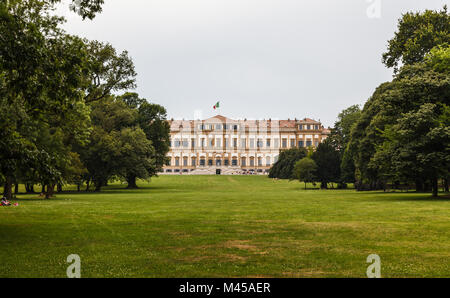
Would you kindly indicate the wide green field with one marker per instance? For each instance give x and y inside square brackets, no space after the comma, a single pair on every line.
[208,226]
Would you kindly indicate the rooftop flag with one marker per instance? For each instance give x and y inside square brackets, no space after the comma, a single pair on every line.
[217,105]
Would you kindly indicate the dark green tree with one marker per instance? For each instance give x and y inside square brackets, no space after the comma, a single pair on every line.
[283,168]
[417,34]
[305,170]
[328,161]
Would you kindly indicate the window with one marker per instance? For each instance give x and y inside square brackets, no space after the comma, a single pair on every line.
[243,161]
[177,161]
[268,143]
[301,144]
[284,143]
[218,127]
[316,143]
[301,127]
[203,142]
[252,143]
[252,161]
[268,161]
[185,162]
[234,162]
[260,162]
[243,143]
[218,143]
[185,143]
[168,162]
[225,143]
[193,161]
[292,143]
[226,162]
[259,143]
[277,143]
[235,127]
[316,127]
[235,143]
[202,162]
[177,143]
[192,143]
[211,143]
[308,127]
[218,162]
[308,143]
[210,162]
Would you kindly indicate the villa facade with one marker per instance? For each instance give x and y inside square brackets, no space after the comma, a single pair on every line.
[220,145]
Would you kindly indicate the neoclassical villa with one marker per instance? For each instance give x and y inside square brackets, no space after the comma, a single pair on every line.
[220,145]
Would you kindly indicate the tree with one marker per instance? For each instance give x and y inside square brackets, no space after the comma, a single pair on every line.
[152,118]
[417,34]
[41,71]
[108,71]
[304,170]
[135,155]
[413,86]
[418,146]
[340,134]
[283,168]
[340,138]
[328,161]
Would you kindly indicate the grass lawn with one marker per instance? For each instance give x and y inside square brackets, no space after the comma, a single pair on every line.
[226,226]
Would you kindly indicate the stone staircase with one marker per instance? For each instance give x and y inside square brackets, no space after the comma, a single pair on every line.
[212,171]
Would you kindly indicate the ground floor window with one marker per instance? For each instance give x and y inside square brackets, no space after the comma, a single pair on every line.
[234,162]
[202,162]
[210,162]
[226,162]
[218,162]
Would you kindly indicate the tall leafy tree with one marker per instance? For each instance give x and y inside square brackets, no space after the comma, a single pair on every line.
[418,145]
[283,168]
[328,161]
[417,34]
[305,170]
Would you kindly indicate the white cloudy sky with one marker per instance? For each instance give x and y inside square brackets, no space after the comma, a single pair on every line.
[260,58]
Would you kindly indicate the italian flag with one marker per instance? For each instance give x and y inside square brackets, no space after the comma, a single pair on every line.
[217,105]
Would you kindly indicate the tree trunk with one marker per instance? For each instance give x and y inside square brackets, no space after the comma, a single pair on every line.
[131,180]
[419,186]
[7,191]
[446,188]
[43,188]
[16,188]
[60,189]
[88,185]
[435,187]
[78,187]
[98,186]
[50,191]
[29,188]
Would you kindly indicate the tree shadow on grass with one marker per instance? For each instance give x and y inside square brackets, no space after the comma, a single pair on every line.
[405,197]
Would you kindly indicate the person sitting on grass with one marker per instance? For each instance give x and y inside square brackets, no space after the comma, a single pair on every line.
[5,202]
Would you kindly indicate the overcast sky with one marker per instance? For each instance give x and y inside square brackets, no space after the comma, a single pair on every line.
[274,59]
